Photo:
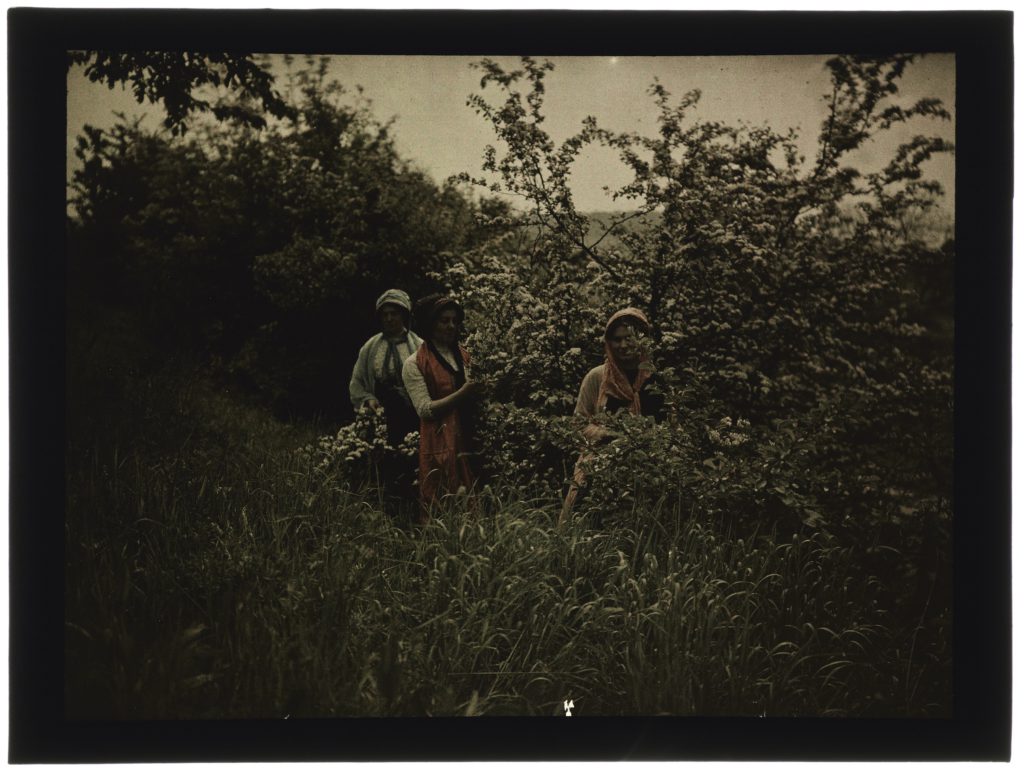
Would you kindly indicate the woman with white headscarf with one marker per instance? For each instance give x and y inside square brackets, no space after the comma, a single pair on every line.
[377,381]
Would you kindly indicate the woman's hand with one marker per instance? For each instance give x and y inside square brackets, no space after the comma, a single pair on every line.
[481,388]
[471,389]
[598,434]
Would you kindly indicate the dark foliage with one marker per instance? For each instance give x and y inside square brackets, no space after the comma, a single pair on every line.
[264,249]
[172,79]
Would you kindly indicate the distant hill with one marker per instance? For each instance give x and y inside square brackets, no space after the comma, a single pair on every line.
[600,221]
[934,227]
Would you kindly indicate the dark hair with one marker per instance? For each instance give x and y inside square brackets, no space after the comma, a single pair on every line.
[429,308]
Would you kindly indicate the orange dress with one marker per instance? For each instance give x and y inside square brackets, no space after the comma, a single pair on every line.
[443,445]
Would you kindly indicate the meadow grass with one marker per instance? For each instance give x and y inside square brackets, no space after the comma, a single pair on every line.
[213,572]
[228,578]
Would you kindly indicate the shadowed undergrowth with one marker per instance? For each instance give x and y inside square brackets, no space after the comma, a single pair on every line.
[220,575]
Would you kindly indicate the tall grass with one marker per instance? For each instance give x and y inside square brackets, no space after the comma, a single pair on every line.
[221,576]
[212,571]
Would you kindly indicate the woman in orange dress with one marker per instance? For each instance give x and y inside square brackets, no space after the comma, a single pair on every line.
[437,380]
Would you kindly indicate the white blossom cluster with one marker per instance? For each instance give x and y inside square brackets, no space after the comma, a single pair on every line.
[360,442]
[726,435]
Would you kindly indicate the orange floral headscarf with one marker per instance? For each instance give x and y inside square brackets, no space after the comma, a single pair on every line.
[615,383]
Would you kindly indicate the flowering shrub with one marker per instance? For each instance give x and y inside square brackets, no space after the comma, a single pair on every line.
[811,383]
[357,447]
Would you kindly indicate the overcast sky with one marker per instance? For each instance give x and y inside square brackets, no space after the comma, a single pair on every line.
[442,135]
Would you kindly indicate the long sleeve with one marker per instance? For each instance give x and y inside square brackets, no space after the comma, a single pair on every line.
[416,387]
[360,387]
[586,401]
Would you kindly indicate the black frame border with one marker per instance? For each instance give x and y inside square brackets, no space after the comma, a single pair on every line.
[982,42]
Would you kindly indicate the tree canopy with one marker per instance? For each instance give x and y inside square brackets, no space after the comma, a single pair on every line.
[176,78]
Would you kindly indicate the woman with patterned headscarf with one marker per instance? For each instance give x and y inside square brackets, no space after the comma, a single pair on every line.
[619,383]
[438,381]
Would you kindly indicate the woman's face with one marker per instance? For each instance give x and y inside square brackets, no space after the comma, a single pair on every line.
[446,327]
[391,321]
[625,346]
